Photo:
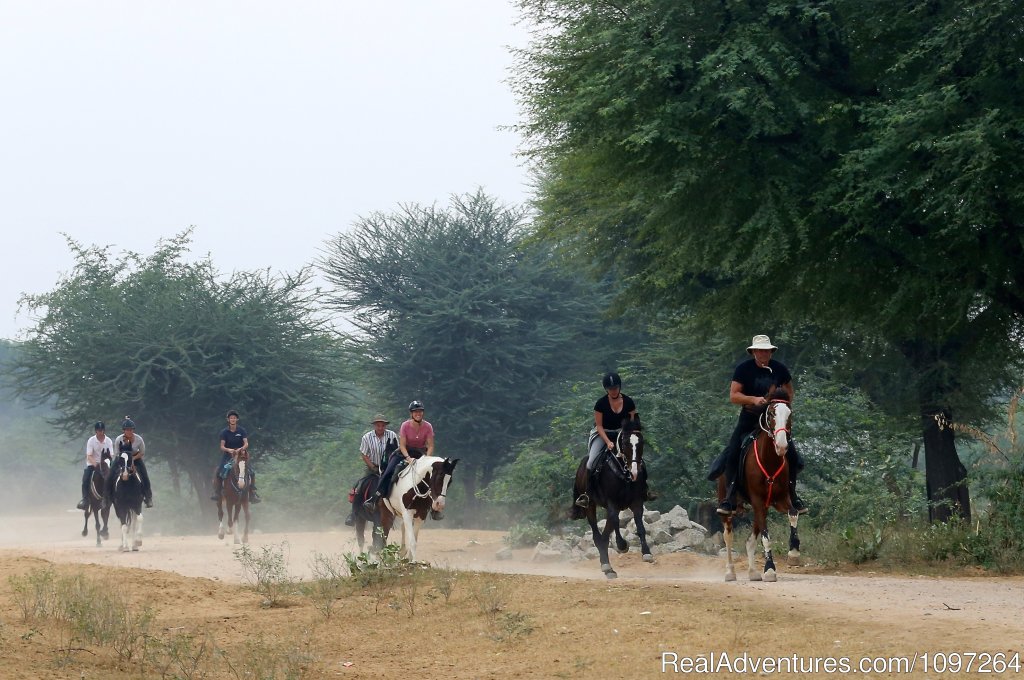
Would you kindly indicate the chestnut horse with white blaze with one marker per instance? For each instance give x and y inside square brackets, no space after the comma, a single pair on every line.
[418,491]
[236,497]
[765,473]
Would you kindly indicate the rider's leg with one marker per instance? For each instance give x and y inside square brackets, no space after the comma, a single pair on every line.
[732,464]
[253,496]
[596,446]
[796,464]
[383,483]
[218,481]
[147,490]
[86,478]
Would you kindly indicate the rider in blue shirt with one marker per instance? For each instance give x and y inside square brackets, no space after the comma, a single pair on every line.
[233,439]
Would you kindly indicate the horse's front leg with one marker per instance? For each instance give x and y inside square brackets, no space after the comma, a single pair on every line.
[360,527]
[221,528]
[730,568]
[106,518]
[233,521]
[641,530]
[85,529]
[769,563]
[245,534]
[408,537]
[793,558]
[611,524]
[99,534]
[137,526]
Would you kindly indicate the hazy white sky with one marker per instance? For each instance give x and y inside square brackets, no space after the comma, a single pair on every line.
[268,125]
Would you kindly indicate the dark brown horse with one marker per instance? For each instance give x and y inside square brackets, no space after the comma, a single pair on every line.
[621,483]
[363,490]
[765,478]
[94,499]
[235,497]
[418,492]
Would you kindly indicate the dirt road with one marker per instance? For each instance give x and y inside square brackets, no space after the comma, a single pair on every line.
[679,602]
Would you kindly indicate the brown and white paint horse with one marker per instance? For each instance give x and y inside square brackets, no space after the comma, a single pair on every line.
[766,475]
[418,491]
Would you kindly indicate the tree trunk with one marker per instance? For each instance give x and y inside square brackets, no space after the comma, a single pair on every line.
[945,475]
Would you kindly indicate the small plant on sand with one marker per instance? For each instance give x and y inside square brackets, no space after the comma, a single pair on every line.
[329,575]
[267,571]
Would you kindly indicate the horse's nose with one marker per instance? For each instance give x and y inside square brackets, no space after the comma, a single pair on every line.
[438,505]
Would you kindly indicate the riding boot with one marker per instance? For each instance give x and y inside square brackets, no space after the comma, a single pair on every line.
[218,489]
[794,500]
[584,499]
[350,520]
[371,502]
[254,497]
[86,478]
[728,506]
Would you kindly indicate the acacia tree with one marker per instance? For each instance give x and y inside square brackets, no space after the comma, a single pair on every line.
[454,307]
[175,345]
[845,161]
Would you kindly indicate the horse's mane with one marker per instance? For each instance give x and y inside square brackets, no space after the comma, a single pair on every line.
[780,395]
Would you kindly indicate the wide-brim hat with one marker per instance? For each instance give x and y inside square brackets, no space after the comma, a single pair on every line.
[379,419]
[761,342]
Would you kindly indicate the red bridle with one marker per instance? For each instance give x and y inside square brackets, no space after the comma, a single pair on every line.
[757,457]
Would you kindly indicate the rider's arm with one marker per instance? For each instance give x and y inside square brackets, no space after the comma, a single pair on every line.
[245,443]
[599,425]
[141,453]
[223,446]
[430,445]
[401,447]
[737,397]
[369,464]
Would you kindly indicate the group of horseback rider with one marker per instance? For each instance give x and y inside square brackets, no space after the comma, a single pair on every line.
[233,440]
[753,381]
[379,446]
[99,444]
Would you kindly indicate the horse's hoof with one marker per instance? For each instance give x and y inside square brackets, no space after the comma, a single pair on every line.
[238,541]
[85,532]
[135,549]
[770,577]
[730,576]
[220,535]
[754,576]
[606,568]
[138,544]
[105,535]
[622,550]
[611,574]
[125,548]
[648,557]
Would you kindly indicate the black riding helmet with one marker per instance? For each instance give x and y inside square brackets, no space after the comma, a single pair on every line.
[416,405]
[611,380]
[99,426]
[127,422]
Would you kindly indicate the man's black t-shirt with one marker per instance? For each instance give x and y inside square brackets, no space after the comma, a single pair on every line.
[233,440]
[610,420]
[759,382]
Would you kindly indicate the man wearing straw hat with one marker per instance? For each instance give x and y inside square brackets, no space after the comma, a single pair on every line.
[376,447]
[753,381]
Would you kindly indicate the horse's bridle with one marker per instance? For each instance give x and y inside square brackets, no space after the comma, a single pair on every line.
[766,423]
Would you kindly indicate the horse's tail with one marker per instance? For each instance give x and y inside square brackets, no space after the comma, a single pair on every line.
[579,485]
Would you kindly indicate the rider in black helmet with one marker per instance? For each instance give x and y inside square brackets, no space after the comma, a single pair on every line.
[609,412]
[132,444]
[415,439]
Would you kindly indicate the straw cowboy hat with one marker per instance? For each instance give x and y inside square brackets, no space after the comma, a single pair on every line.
[761,342]
[379,419]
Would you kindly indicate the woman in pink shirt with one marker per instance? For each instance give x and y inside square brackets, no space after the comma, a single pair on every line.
[415,439]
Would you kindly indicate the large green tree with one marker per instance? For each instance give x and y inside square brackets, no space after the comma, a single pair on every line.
[454,307]
[775,160]
[175,344]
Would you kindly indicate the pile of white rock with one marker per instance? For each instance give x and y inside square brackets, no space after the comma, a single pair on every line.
[670,532]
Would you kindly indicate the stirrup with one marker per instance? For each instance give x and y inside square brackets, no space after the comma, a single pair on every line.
[583,501]
[82,504]
[726,508]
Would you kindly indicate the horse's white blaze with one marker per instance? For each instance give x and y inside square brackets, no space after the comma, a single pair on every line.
[634,470]
[634,440]
[438,505]
[781,423]
[241,474]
